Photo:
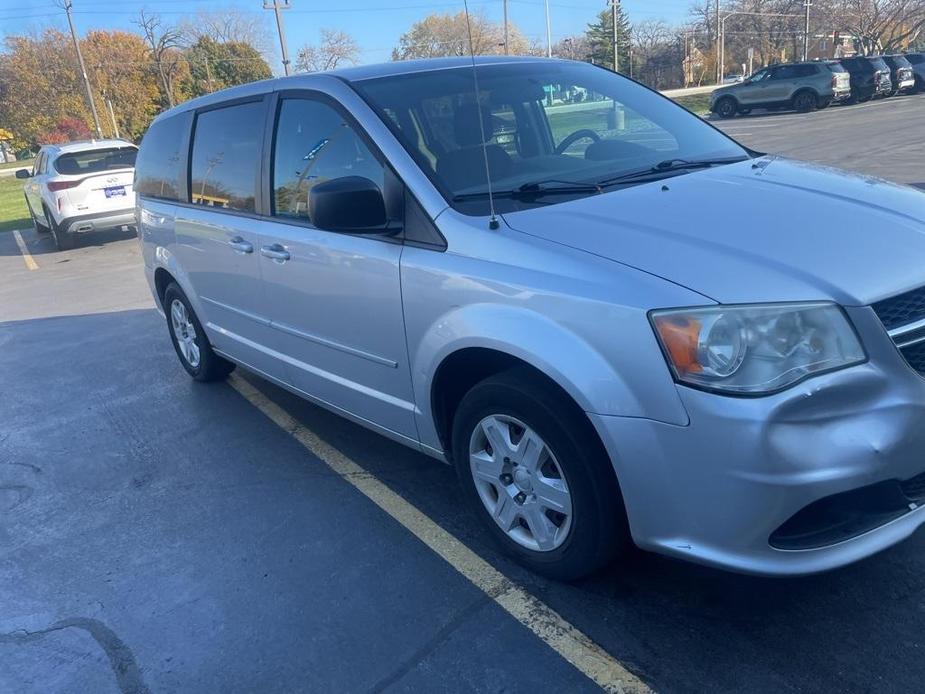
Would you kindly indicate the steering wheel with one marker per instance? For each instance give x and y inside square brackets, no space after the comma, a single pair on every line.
[575,137]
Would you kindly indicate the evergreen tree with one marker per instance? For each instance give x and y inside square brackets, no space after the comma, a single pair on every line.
[600,38]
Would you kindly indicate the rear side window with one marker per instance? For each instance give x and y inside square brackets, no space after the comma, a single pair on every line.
[784,72]
[96,160]
[158,171]
[804,70]
[226,155]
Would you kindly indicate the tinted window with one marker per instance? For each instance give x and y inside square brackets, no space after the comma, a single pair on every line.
[784,72]
[879,64]
[158,169]
[315,143]
[225,157]
[804,70]
[538,122]
[836,67]
[96,160]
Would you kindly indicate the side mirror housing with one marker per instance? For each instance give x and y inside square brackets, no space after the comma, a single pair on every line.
[350,204]
[23,173]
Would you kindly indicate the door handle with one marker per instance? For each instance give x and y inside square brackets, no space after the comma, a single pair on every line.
[276,252]
[240,245]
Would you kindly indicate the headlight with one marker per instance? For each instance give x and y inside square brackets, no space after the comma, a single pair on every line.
[756,350]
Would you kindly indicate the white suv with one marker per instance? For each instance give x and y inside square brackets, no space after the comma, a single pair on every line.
[81,187]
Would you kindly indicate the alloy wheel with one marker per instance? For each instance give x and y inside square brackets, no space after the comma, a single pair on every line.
[520,483]
[184,333]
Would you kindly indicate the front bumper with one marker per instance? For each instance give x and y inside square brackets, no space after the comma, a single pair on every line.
[98,221]
[906,84]
[716,490]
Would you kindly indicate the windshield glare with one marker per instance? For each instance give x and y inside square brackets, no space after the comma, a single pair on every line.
[544,122]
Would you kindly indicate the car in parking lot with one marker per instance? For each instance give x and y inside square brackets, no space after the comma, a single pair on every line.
[901,74]
[559,314]
[80,187]
[917,61]
[801,86]
[870,77]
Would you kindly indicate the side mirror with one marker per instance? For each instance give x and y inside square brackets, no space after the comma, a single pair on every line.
[23,173]
[350,203]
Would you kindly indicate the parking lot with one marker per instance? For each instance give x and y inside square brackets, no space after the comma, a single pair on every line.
[162,535]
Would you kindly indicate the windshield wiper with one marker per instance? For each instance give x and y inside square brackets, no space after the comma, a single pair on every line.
[533,189]
[668,167]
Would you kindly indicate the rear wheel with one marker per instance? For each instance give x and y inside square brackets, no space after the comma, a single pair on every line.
[189,339]
[532,467]
[726,107]
[63,240]
[804,102]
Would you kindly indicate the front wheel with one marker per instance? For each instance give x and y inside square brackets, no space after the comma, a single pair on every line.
[536,474]
[189,339]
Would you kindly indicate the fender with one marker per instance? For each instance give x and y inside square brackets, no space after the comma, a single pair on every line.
[586,375]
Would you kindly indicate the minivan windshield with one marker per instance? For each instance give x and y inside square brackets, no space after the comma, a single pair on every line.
[552,131]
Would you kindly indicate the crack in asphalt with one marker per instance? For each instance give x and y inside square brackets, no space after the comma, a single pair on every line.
[121,660]
[434,642]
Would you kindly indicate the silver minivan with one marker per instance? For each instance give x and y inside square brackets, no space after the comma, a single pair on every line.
[619,325]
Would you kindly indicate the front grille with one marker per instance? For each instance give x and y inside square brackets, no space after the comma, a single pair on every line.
[904,318]
[901,310]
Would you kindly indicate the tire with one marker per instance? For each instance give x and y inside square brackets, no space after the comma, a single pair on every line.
[824,103]
[805,101]
[516,405]
[726,107]
[192,346]
[63,240]
[38,226]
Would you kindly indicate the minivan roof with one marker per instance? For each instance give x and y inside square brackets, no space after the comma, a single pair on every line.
[349,74]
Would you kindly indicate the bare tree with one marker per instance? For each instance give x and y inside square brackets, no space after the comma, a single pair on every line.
[439,35]
[879,25]
[572,48]
[163,42]
[336,48]
[227,25]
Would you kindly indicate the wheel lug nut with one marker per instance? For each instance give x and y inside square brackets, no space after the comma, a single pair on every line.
[506,478]
[506,460]
[520,498]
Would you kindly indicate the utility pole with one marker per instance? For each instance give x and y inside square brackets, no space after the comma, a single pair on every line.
[277,6]
[507,50]
[548,33]
[66,4]
[807,4]
[112,117]
[616,41]
[719,76]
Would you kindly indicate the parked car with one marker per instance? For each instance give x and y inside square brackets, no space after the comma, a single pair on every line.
[733,79]
[801,86]
[81,187]
[842,80]
[608,346]
[917,61]
[870,77]
[902,76]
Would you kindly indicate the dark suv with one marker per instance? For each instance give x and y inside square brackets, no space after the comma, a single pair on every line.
[917,60]
[801,86]
[870,77]
[901,73]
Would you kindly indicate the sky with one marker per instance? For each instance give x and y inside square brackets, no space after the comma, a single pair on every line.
[375,24]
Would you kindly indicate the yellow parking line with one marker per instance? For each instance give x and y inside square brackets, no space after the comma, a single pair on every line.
[26,255]
[542,620]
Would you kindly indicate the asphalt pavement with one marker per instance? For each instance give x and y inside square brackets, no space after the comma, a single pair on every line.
[159,535]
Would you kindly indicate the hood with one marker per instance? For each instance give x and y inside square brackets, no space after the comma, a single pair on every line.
[761,230]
